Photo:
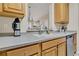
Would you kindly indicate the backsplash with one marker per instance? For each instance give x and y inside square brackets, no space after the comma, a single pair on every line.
[5,24]
[40,17]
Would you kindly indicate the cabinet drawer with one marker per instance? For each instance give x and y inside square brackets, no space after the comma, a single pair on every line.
[50,52]
[16,52]
[49,44]
[61,40]
[32,50]
[3,54]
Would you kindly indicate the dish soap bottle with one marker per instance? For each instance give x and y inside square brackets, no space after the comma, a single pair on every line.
[16,27]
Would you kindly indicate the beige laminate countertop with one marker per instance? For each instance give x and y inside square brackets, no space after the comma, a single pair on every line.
[11,42]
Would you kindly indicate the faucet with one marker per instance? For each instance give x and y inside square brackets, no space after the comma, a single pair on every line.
[46,30]
[39,28]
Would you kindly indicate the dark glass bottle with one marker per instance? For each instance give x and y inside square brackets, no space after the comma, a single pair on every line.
[16,27]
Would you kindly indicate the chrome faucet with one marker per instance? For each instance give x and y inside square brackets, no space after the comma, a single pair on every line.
[46,30]
[39,28]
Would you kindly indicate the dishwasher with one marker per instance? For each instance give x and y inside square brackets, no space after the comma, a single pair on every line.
[70,45]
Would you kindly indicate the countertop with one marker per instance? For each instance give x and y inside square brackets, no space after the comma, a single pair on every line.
[10,42]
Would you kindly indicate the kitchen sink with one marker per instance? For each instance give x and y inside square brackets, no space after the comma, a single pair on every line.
[44,35]
[53,34]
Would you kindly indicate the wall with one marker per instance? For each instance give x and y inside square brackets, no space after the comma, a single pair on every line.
[74,20]
[6,23]
[39,11]
[51,17]
[73,17]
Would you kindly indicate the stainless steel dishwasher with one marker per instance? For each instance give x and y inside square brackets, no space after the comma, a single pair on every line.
[70,45]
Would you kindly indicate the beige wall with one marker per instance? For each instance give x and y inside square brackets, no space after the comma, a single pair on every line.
[38,11]
[6,23]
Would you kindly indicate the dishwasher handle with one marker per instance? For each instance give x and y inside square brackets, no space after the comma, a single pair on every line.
[69,36]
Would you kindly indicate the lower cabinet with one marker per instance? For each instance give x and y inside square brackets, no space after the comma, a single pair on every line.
[32,50]
[2,53]
[50,52]
[62,49]
[55,47]
[16,52]
[26,51]
[75,42]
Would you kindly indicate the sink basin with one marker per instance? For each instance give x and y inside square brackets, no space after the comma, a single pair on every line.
[43,35]
[53,34]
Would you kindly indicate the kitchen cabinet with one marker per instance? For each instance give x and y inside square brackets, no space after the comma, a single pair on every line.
[50,52]
[53,47]
[49,44]
[0,7]
[2,53]
[16,52]
[49,48]
[25,51]
[32,50]
[61,13]
[62,49]
[75,42]
[12,9]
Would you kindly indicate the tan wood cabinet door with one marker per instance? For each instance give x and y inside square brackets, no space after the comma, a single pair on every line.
[3,54]
[0,7]
[49,44]
[14,8]
[61,12]
[16,52]
[32,50]
[62,49]
[50,52]
[75,42]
